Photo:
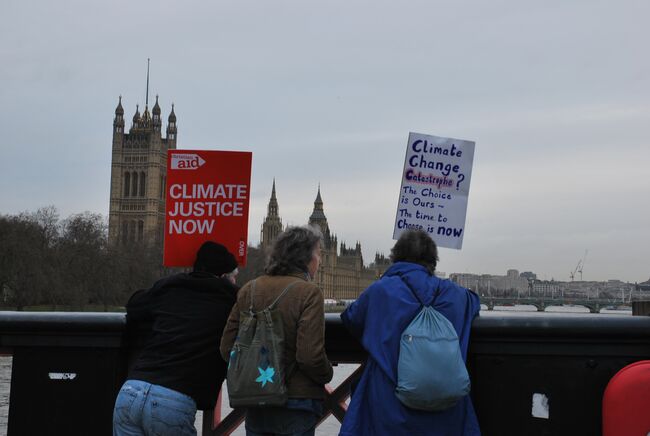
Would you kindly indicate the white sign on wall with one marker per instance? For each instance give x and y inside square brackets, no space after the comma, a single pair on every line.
[435,187]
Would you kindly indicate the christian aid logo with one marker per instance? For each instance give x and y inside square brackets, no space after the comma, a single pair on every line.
[242,248]
[186,161]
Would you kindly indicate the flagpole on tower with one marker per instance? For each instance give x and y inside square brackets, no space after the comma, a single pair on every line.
[147,96]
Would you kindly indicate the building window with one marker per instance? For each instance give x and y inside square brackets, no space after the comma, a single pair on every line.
[132,231]
[140,230]
[125,232]
[127,183]
[134,184]
[162,187]
[143,178]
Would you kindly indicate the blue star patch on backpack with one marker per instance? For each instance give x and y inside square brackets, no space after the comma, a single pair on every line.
[256,374]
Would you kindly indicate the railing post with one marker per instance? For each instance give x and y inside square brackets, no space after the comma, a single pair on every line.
[334,403]
[641,308]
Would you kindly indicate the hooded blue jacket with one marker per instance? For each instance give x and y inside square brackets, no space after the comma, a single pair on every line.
[377,319]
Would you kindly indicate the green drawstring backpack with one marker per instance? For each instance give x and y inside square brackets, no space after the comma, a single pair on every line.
[256,373]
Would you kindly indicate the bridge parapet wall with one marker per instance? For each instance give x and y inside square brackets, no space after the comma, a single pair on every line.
[567,360]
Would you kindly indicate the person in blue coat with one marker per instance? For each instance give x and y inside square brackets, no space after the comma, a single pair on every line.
[377,319]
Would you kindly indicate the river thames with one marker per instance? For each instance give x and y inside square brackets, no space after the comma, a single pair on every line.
[331,425]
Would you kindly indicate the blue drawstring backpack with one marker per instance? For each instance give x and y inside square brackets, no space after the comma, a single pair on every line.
[431,374]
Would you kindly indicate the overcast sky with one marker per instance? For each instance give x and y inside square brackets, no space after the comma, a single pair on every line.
[556,95]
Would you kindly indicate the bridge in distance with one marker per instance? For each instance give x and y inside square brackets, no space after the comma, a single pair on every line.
[541,303]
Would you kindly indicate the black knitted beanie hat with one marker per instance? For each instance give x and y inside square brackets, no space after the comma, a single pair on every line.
[214,258]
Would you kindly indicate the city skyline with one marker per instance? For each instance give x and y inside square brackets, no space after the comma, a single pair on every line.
[555,96]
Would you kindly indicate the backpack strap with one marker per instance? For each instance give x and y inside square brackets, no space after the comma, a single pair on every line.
[275,302]
[250,309]
[415,294]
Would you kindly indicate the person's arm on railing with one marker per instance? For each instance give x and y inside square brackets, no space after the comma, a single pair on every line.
[354,317]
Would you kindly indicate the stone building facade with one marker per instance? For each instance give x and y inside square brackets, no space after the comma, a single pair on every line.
[342,274]
[490,284]
[138,176]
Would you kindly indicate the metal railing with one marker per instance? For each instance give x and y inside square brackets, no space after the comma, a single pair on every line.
[568,359]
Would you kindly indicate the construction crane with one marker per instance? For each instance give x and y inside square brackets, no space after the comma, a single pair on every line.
[582,265]
[578,268]
[572,274]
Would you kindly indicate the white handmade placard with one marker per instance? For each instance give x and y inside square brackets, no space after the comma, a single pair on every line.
[435,188]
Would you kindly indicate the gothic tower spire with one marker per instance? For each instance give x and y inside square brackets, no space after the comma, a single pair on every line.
[171,127]
[319,219]
[119,110]
[272,209]
[272,225]
[118,122]
[318,214]
[136,117]
[156,115]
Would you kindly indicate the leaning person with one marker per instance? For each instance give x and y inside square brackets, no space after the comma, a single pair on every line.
[294,258]
[378,318]
[179,369]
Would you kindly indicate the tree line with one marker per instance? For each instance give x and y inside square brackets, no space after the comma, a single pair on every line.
[50,263]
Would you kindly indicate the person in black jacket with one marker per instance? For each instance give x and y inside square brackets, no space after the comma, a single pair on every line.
[179,369]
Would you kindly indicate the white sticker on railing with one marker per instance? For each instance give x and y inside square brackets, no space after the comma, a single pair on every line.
[540,406]
[62,375]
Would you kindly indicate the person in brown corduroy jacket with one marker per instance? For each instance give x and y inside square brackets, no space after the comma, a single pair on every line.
[295,257]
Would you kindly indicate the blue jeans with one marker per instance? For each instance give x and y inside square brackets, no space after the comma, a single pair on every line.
[144,409]
[298,418]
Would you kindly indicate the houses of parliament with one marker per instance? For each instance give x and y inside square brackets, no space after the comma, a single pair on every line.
[342,274]
[137,204]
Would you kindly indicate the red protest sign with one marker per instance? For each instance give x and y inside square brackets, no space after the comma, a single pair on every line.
[207,199]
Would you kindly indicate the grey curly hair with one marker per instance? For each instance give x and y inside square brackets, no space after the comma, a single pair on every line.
[292,251]
[416,246]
